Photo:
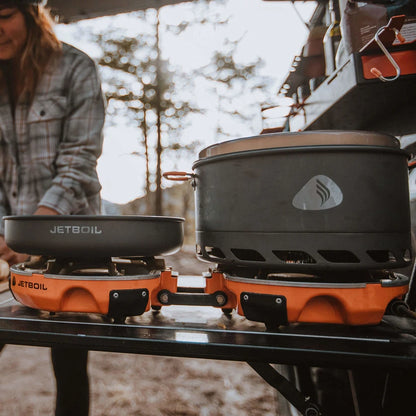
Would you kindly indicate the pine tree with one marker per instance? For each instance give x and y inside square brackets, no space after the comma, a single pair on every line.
[144,85]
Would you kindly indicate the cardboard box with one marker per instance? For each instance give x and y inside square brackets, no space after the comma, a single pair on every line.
[408,31]
[361,20]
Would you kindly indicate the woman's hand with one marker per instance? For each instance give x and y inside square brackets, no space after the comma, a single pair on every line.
[9,255]
[4,270]
[45,211]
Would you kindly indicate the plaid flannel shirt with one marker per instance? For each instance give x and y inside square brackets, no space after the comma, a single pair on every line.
[49,151]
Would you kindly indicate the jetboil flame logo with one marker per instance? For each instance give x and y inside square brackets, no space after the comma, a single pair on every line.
[319,193]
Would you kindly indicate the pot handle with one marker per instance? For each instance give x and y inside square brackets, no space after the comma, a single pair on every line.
[178,176]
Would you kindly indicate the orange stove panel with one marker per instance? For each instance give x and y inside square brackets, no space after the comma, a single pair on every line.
[62,294]
[350,306]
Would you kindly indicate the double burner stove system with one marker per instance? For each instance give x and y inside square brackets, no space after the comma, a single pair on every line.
[307,227]
[303,227]
[130,286]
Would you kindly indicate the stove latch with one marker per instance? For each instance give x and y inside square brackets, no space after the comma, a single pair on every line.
[270,309]
[123,303]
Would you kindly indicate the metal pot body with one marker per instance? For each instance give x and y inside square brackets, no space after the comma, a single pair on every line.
[94,236]
[304,208]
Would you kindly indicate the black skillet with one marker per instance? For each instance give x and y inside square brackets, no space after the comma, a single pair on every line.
[94,236]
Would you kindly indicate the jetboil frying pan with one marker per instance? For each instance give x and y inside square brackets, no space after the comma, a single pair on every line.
[94,236]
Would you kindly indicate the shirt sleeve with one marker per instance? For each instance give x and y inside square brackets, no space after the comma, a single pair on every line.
[3,209]
[80,146]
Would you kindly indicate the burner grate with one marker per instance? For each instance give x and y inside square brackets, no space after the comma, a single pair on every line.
[110,266]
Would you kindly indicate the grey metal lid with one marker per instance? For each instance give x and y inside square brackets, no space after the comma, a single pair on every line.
[301,139]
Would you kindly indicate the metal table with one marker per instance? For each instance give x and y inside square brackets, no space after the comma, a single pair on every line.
[205,332]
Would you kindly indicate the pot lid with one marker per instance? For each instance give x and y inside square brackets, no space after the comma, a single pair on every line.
[301,139]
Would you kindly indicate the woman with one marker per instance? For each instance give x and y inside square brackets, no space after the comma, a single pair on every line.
[51,120]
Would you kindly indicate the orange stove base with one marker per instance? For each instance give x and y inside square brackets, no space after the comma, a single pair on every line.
[289,302]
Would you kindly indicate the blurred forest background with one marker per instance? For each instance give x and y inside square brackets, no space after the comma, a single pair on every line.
[171,110]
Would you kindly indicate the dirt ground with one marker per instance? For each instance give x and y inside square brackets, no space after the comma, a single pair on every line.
[138,385]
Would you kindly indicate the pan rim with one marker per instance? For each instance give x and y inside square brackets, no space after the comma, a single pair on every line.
[123,218]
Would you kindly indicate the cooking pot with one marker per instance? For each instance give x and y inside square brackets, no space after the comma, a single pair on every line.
[94,236]
[303,201]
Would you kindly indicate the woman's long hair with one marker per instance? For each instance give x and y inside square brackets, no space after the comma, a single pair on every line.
[41,46]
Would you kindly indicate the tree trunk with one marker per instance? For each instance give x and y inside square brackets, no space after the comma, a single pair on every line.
[146,152]
[159,148]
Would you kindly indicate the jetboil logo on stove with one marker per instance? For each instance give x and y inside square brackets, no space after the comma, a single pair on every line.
[29,285]
[319,193]
[75,229]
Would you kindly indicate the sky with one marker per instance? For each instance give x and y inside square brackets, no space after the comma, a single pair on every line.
[270,30]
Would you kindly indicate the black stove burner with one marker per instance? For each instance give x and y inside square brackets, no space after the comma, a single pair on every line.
[271,274]
[106,266]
